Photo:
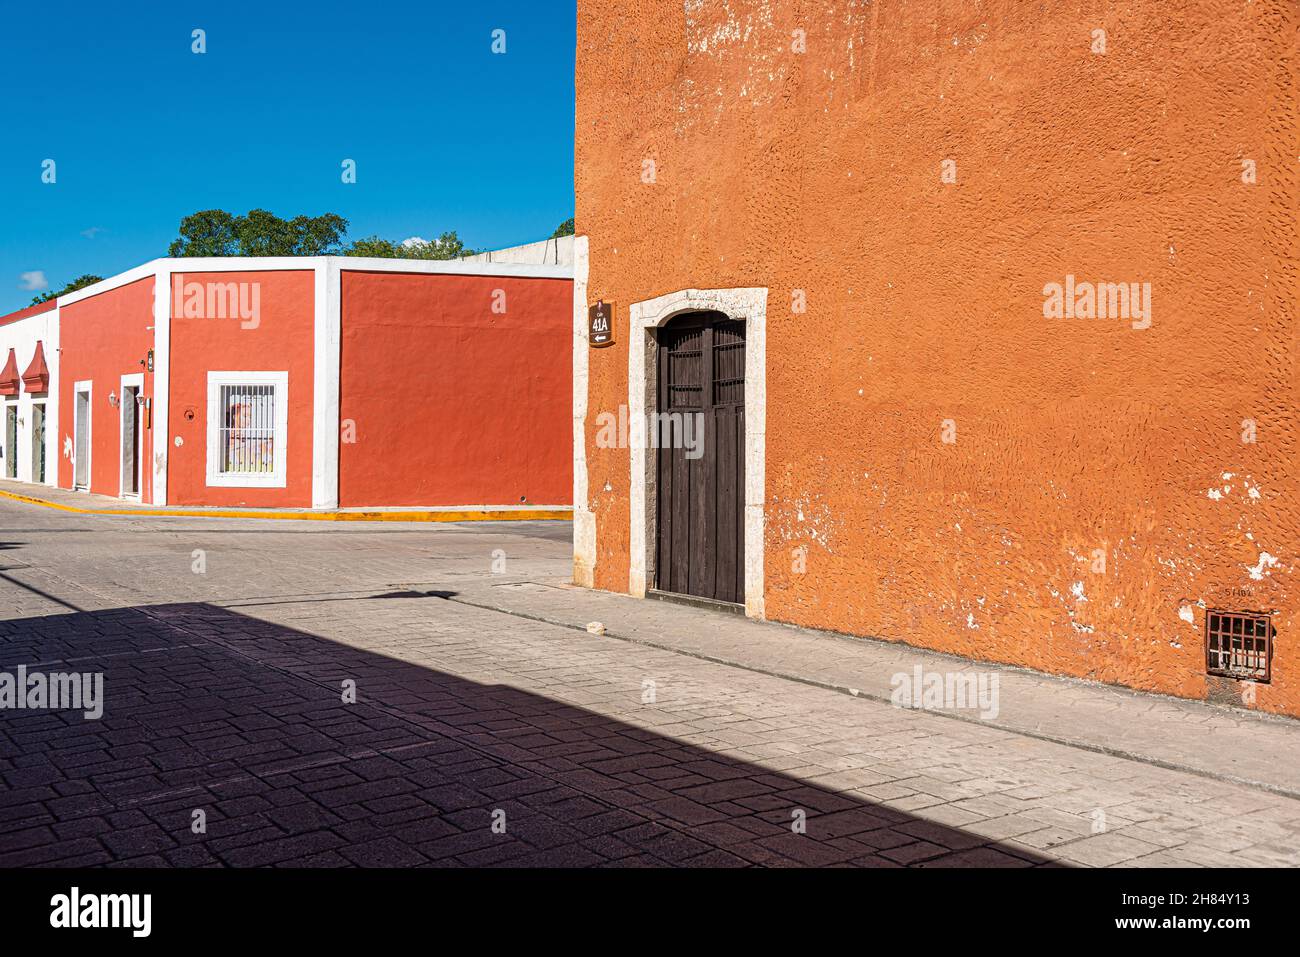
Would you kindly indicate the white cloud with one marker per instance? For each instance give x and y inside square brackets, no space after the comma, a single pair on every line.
[92,231]
[414,241]
[33,281]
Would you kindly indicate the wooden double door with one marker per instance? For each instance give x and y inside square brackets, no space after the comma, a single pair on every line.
[700,478]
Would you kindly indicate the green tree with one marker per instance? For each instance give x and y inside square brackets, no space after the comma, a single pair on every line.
[318,235]
[209,232]
[374,246]
[80,282]
[446,246]
[215,232]
[262,233]
[564,229]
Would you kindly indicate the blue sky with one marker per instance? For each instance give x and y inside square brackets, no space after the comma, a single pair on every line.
[445,133]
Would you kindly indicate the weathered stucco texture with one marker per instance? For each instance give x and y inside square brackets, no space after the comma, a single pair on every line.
[822,171]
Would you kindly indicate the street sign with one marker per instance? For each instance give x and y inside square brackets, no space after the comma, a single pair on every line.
[600,324]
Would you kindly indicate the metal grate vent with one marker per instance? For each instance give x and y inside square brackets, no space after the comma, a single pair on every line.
[1238,644]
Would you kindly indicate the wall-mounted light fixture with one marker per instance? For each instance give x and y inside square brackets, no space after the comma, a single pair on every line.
[112,399]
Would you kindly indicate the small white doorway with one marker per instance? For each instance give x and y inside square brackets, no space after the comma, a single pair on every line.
[38,443]
[81,437]
[132,452]
[11,440]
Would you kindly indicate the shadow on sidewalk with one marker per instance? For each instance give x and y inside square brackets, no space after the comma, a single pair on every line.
[210,711]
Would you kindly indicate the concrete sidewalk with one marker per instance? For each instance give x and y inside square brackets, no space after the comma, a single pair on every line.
[1225,744]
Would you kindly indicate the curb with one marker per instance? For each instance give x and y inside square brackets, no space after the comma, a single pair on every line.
[376,515]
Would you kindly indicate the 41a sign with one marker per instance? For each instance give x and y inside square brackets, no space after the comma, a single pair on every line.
[600,324]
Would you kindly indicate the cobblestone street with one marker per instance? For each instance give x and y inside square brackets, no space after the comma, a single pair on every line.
[491,728]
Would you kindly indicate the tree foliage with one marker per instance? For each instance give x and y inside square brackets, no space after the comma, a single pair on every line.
[446,246]
[81,282]
[215,232]
[564,229]
[374,246]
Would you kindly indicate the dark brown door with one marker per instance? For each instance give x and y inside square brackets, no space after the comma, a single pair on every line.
[700,486]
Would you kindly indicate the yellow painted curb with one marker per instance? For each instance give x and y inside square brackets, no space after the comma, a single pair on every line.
[424,515]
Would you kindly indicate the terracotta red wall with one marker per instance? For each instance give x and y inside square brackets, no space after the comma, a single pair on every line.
[820,171]
[452,403]
[103,338]
[283,340]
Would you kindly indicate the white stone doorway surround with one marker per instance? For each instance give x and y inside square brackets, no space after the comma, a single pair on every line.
[750,306]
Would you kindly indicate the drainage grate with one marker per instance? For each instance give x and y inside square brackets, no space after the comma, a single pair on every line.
[1238,644]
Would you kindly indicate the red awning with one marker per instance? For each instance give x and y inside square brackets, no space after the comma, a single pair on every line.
[9,376]
[37,376]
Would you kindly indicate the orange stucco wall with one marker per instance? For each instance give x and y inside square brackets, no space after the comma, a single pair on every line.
[102,339]
[822,171]
[281,340]
[444,401]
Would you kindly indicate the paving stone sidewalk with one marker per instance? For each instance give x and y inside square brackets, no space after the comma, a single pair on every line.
[1226,743]
[225,646]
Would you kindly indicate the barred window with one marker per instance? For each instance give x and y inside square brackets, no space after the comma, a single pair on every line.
[1239,644]
[247,429]
[247,420]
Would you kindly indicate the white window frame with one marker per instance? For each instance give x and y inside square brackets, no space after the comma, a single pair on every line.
[273,479]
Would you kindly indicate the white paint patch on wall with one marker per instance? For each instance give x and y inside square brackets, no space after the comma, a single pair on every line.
[1260,569]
